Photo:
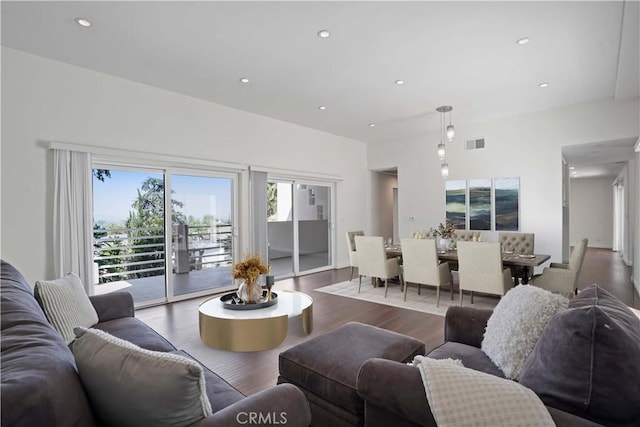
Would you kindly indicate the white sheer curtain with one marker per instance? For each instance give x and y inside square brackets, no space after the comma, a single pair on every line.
[258,218]
[72,215]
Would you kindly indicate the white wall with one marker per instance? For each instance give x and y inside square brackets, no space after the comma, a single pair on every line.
[44,100]
[527,146]
[591,214]
[635,230]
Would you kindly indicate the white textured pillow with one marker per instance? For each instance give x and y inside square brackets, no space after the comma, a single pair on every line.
[66,304]
[459,396]
[516,325]
[131,386]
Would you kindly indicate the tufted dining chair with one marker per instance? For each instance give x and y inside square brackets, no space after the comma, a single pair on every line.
[563,278]
[420,266]
[373,262]
[465,236]
[518,243]
[480,269]
[351,245]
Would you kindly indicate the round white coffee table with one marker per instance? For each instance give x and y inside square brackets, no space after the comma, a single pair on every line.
[255,330]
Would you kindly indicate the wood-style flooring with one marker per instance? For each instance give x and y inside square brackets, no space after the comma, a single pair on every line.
[253,372]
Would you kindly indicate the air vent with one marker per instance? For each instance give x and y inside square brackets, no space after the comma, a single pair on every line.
[474,144]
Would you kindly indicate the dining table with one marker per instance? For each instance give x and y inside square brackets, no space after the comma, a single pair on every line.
[527,262]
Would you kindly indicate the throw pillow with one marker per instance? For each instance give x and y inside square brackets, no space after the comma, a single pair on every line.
[66,304]
[586,361]
[460,396]
[516,324]
[131,386]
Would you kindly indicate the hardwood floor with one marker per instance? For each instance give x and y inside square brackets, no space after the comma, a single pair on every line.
[606,268]
[253,372]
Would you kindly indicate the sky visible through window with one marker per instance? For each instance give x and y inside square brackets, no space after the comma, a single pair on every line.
[113,198]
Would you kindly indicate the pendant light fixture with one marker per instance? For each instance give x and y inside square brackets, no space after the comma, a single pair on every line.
[448,132]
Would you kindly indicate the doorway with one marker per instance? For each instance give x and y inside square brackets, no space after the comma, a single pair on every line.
[384,204]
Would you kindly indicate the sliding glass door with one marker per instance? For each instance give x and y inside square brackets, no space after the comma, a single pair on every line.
[299,227]
[163,234]
[313,206]
[280,228]
[202,232]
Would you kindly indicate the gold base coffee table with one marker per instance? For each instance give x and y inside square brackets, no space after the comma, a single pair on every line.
[255,330]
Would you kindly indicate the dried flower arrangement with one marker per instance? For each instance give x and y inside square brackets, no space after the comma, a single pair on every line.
[249,269]
[445,229]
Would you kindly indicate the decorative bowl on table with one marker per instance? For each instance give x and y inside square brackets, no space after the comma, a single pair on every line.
[231,301]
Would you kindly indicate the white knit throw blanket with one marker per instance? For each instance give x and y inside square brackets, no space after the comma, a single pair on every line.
[461,397]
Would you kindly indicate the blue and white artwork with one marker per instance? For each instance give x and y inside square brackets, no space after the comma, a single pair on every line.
[507,198]
[480,204]
[456,203]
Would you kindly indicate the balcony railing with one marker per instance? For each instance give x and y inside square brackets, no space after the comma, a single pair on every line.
[130,253]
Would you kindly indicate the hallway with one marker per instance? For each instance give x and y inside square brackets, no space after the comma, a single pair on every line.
[606,268]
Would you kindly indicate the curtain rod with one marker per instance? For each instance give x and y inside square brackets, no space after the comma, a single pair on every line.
[140,155]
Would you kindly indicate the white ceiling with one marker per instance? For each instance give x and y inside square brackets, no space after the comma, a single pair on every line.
[458,53]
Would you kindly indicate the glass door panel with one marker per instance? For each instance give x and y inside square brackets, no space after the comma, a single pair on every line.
[280,228]
[128,231]
[202,233]
[313,212]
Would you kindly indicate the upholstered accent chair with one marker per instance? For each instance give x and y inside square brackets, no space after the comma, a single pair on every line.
[420,266]
[373,262]
[519,243]
[425,234]
[351,245]
[480,269]
[563,278]
[465,236]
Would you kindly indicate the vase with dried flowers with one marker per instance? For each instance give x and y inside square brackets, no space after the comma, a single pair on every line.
[249,269]
[445,231]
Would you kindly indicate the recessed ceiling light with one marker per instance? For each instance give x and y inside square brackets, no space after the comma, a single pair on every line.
[523,40]
[572,167]
[244,80]
[399,82]
[322,107]
[323,34]
[543,85]
[372,125]
[83,22]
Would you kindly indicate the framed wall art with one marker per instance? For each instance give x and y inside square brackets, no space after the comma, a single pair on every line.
[456,203]
[507,204]
[480,204]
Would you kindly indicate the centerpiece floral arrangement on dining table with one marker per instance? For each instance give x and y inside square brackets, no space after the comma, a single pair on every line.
[445,231]
[249,269]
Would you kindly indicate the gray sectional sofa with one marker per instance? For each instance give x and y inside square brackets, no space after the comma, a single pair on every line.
[584,367]
[40,385]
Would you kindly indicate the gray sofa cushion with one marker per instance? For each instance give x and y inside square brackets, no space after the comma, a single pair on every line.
[471,357]
[328,364]
[221,394]
[40,385]
[587,358]
[137,332]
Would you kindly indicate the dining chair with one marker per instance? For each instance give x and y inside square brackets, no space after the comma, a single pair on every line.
[480,269]
[351,245]
[519,244]
[373,262]
[563,278]
[420,265]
